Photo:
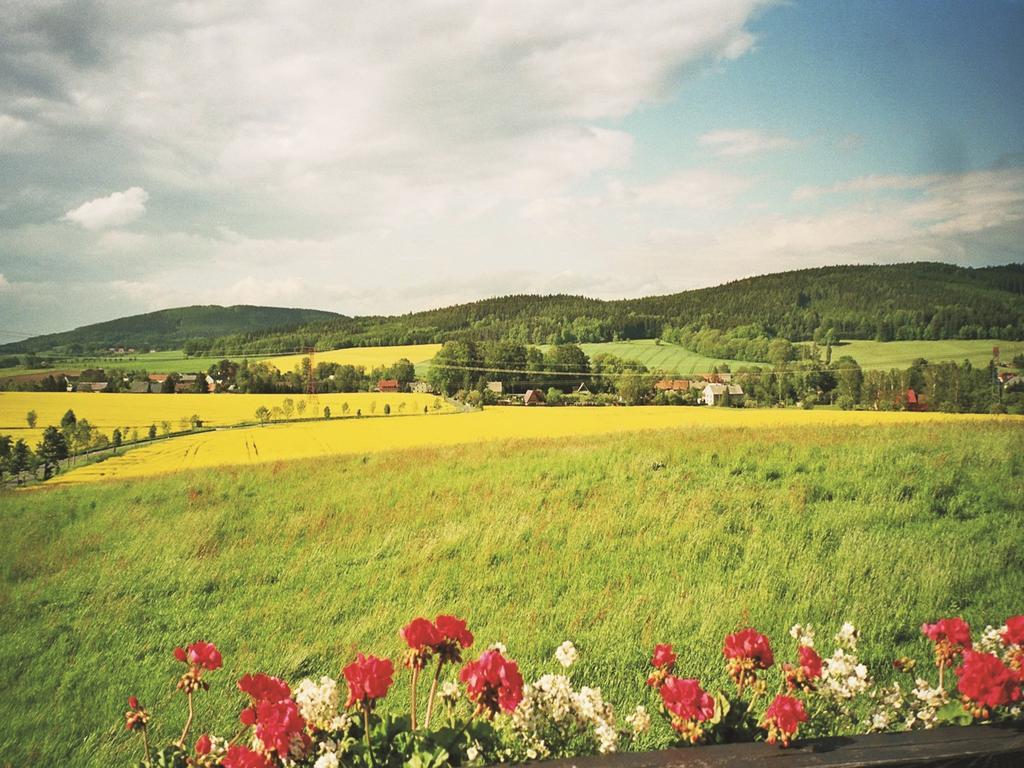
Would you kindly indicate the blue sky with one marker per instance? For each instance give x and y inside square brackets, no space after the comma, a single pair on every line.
[384,158]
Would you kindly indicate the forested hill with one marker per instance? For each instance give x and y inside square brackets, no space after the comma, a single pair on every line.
[171,328]
[887,302]
[902,301]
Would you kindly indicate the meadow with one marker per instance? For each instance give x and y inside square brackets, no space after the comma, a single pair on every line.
[615,542]
[900,354]
[368,357]
[129,412]
[661,356]
[282,442]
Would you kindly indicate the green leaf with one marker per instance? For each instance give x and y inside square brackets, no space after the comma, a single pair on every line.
[954,714]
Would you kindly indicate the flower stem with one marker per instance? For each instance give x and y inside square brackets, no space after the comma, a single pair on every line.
[412,707]
[433,693]
[145,744]
[366,731]
[188,722]
[942,669]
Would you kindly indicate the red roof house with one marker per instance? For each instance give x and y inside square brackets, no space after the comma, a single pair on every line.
[388,385]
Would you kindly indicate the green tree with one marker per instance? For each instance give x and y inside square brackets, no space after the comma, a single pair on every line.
[263,414]
[67,421]
[288,407]
[52,450]
[5,455]
[554,396]
[387,409]
[116,439]
[152,431]
[301,408]
[344,409]
[634,389]
[31,417]
[21,460]
[327,411]
[165,427]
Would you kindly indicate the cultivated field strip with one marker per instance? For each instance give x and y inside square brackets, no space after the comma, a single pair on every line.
[282,442]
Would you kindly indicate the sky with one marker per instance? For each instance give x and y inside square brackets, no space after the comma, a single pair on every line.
[389,157]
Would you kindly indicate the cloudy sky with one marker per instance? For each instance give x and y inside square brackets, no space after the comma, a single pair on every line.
[385,157]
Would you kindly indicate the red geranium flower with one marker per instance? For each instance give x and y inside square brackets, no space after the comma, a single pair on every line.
[749,644]
[200,654]
[1014,634]
[203,744]
[368,678]
[956,631]
[987,682]
[663,657]
[454,636]
[278,723]
[664,661]
[783,718]
[493,682]
[263,687]
[684,698]
[133,702]
[810,662]
[803,675]
[422,637]
[243,757]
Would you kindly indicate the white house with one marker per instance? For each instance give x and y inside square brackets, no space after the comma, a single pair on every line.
[721,394]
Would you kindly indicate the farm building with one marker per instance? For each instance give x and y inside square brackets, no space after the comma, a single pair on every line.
[915,402]
[533,397]
[672,385]
[496,387]
[582,389]
[388,385]
[158,378]
[421,388]
[717,393]
[139,387]
[92,386]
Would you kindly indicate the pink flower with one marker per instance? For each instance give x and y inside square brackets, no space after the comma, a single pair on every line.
[783,718]
[243,757]
[133,702]
[368,678]
[664,661]
[493,682]
[263,687]
[806,673]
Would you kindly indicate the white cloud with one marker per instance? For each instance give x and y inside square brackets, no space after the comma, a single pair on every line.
[738,142]
[114,210]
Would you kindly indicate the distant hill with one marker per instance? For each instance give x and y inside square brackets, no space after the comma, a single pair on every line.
[885,302]
[171,328]
[921,300]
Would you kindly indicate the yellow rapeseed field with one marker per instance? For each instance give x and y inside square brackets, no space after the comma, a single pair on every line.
[346,436]
[108,412]
[368,357]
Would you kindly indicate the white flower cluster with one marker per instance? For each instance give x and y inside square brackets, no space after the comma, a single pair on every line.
[803,635]
[842,674]
[550,707]
[449,692]
[911,711]
[329,753]
[640,720]
[318,704]
[991,641]
[566,654]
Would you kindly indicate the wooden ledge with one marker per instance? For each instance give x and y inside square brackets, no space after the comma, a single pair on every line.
[974,746]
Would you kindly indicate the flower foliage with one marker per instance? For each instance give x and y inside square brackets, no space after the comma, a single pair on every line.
[490,715]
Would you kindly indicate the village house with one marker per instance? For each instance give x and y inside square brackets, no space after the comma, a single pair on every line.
[139,387]
[421,388]
[582,389]
[672,385]
[388,385]
[533,397]
[915,402]
[496,387]
[716,393]
[158,378]
[92,386]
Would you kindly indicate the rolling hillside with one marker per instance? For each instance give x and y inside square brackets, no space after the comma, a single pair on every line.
[169,328]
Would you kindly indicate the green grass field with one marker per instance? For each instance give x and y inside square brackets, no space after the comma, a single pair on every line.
[900,354]
[169,361]
[870,354]
[613,542]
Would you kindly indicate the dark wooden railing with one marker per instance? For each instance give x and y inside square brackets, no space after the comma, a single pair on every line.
[976,746]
